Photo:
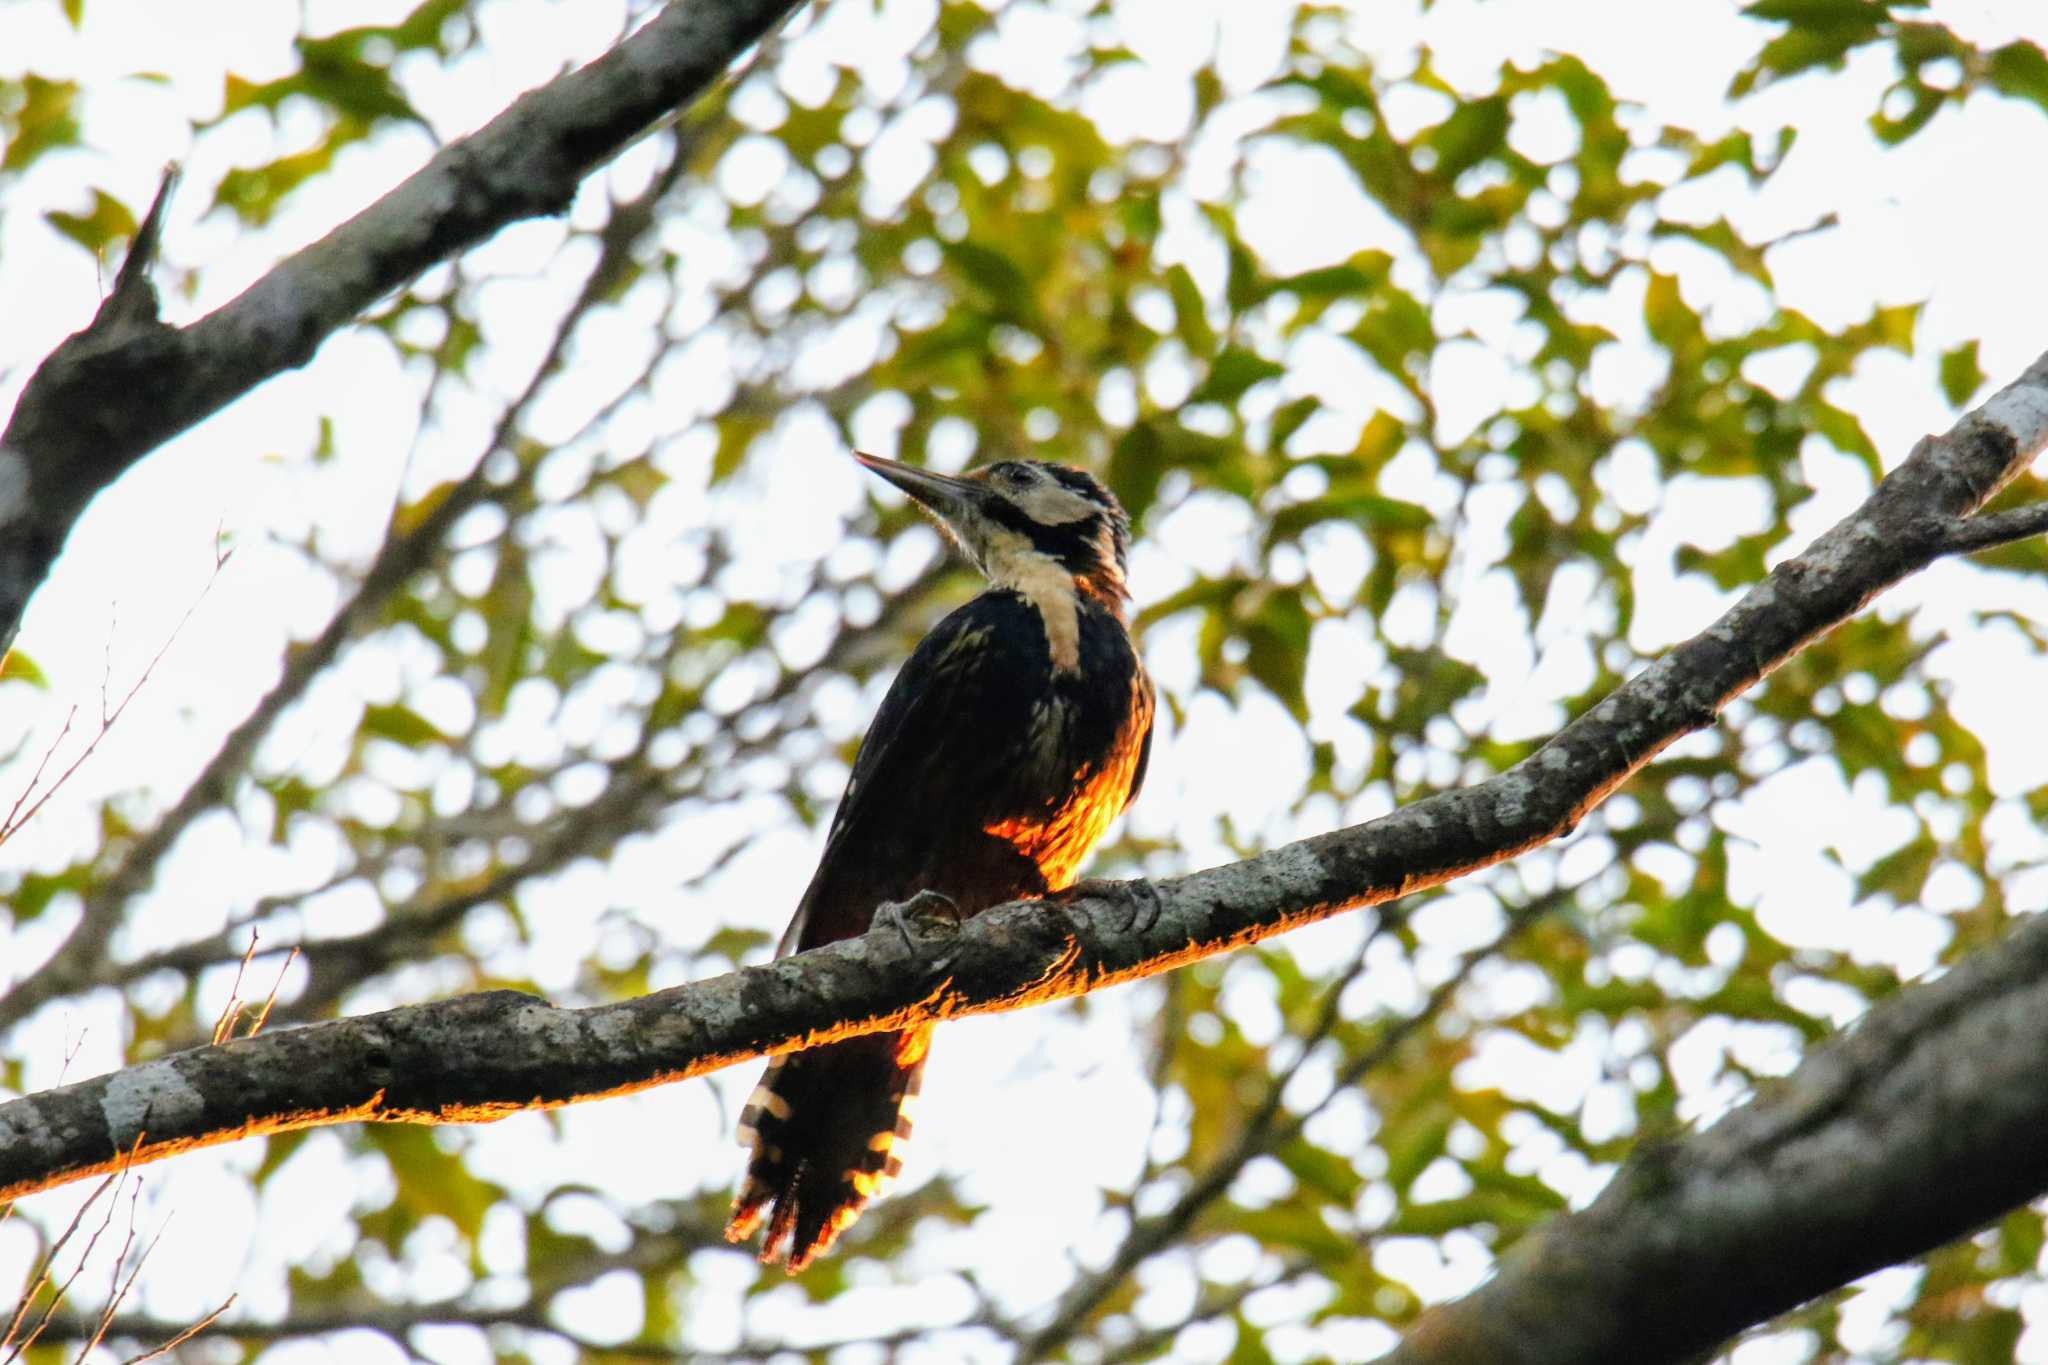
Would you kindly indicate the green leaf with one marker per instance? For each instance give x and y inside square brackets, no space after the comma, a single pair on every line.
[1276,648]
[401,725]
[431,1179]
[1370,511]
[254,194]
[278,1149]
[1250,1346]
[1364,274]
[1001,281]
[1235,371]
[1802,49]
[1330,1175]
[736,434]
[1294,1226]
[1901,873]
[1379,441]
[1288,419]
[2020,69]
[1820,13]
[108,222]
[736,945]
[17,666]
[2020,1238]
[43,121]
[1893,326]
[1471,134]
[1414,1142]
[289,796]
[36,890]
[1671,321]
[1926,102]
[1961,375]
[508,616]
[1190,312]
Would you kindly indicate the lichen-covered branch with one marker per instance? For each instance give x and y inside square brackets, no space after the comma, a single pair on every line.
[112,393]
[480,1057]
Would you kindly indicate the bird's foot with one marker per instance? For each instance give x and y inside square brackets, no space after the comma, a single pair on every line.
[1140,900]
[927,907]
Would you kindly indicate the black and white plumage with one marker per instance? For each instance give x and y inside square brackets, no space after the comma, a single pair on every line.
[1018,729]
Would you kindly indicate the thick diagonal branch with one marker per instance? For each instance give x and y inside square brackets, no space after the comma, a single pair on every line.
[481,1057]
[115,391]
[1921,1123]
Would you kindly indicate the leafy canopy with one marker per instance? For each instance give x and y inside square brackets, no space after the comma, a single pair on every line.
[1444,391]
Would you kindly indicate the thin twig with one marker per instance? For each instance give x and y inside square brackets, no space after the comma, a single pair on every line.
[263,1015]
[41,1276]
[59,1291]
[14,818]
[182,1337]
[231,1012]
[118,1288]
[17,817]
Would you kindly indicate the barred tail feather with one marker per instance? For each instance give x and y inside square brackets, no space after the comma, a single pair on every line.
[826,1128]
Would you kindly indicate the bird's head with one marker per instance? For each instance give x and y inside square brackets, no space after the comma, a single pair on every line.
[1018,518]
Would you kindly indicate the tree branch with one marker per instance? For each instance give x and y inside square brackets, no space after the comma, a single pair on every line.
[481,1057]
[1994,529]
[1920,1123]
[112,393]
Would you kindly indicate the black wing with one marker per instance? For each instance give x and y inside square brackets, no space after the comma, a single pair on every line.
[1144,759]
[936,767]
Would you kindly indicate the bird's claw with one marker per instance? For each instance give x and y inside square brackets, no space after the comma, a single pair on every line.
[929,906]
[1140,899]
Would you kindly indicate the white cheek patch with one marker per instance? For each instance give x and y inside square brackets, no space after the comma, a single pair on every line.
[1053,504]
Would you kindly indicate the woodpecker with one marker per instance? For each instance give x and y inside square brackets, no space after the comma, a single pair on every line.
[1019,728]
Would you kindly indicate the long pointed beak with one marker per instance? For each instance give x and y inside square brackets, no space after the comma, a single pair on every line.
[945,496]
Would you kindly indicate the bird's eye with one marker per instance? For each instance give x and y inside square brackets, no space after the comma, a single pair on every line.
[1015,475]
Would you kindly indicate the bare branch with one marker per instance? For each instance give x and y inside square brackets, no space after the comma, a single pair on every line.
[132,302]
[184,1334]
[1989,531]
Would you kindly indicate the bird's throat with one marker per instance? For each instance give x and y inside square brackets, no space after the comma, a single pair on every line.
[1050,588]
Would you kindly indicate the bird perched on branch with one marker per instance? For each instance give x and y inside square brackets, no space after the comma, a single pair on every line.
[1017,731]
